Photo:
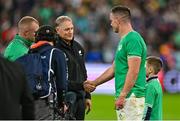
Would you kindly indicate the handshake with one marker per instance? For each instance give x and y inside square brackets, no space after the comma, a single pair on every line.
[89,86]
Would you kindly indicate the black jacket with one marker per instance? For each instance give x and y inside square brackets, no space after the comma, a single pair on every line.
[16,101]
[77,73]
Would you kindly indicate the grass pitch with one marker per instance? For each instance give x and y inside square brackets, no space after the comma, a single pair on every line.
[103,107]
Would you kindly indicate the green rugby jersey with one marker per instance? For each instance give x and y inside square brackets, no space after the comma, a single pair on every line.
[153,100]
[17,48]
[130,45]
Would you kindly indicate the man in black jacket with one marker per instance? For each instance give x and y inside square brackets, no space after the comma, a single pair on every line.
[16,101]
[77,98]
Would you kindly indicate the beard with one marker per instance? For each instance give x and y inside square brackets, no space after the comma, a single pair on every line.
[31,39]
[116,30]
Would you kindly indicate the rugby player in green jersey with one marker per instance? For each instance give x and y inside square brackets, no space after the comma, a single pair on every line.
[128,67]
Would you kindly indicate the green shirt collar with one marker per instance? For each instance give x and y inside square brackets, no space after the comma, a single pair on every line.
[25,41]
[126,34]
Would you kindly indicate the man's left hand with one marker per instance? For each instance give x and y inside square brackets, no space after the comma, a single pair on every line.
[88,105]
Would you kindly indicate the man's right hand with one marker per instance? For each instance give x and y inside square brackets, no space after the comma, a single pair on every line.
[89,86]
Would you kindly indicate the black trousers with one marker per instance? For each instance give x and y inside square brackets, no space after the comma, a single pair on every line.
[76,104]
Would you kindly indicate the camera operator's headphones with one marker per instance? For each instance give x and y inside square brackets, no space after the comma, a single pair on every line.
[46,33]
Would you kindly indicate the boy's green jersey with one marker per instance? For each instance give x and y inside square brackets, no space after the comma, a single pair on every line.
[153,99]
[131,45]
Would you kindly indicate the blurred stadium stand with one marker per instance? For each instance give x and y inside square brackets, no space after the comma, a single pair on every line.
[157,20]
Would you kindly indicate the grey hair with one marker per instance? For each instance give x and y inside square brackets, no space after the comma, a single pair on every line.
[61,19]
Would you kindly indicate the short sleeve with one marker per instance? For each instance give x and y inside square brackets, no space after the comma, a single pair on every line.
[134,47]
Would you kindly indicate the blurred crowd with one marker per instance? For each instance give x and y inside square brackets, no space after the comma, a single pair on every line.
[157,20]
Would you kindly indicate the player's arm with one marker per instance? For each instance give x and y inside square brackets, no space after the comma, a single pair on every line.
[132,74]
[90,86]
[133,70]
[106,76]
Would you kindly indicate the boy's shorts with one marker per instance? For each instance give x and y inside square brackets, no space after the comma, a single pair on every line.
[132,110]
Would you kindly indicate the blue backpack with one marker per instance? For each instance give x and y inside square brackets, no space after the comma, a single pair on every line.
[38,72]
